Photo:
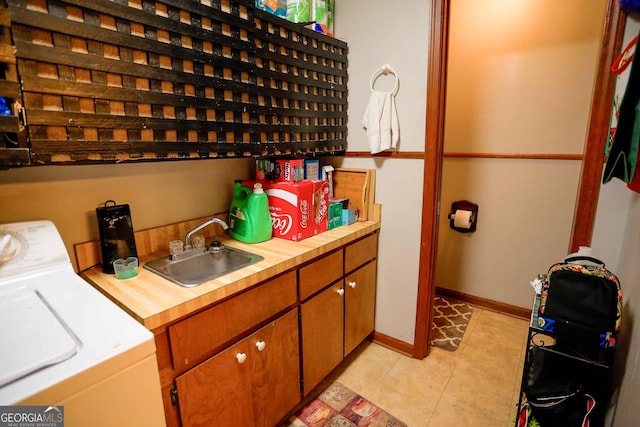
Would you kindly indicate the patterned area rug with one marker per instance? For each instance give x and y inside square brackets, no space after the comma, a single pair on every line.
[338,406]
[450,320]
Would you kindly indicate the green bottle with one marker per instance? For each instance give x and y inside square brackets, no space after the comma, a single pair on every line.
[249,217]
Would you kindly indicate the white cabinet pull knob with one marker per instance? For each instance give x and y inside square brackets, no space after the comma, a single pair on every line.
[352,284]
[241,357]
[260,345]
[340,292]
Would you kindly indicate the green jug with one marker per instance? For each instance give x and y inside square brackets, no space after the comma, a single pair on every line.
[249,217]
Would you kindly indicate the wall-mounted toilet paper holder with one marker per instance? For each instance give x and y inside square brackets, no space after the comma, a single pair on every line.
[463,216]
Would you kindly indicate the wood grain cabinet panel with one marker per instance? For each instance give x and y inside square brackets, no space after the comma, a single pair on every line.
[200,335]
[255,382]
[359,309]
[275,369]
[322,329]
[319,274]
[360,252]
[218,391]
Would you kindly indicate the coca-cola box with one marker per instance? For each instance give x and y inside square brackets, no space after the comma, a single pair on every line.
[320,205]
[298,209]
[291,207]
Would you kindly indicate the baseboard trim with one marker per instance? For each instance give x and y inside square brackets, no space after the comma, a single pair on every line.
[500,307]
[393,343]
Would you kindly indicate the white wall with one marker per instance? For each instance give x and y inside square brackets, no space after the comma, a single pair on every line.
[396,34]
[524,225]
[520,80]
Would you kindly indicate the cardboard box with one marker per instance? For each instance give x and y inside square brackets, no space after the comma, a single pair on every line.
[285,170]
[334,216]
[320,205]
[290,170]
[348,216]
[291,207]
[312,169]
[267,169]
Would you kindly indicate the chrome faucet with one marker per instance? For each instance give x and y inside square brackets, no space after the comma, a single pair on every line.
[187,239]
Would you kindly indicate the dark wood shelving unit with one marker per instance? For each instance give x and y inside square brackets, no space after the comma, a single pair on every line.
[140,80]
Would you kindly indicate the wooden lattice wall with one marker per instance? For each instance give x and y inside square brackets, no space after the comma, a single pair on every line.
[14,149]
[147,80]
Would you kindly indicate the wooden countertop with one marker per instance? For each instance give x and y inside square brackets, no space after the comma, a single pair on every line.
[155,301]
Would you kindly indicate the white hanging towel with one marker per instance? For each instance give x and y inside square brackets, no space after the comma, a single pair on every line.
[381,121]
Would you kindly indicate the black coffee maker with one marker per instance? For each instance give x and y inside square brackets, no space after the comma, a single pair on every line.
[116,234]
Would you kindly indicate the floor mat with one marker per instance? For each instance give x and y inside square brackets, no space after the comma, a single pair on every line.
[450,320]
[339,406]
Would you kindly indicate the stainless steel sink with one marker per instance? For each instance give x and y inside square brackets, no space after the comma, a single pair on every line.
[201,265]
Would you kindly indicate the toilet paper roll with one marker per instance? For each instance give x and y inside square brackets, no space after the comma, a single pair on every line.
[462,219]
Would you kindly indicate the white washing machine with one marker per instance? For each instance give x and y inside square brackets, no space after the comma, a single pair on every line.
[64,344]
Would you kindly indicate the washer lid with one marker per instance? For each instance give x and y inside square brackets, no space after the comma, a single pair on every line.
[31,334]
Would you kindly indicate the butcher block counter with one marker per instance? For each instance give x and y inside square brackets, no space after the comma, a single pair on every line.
[155,301]
[238,342]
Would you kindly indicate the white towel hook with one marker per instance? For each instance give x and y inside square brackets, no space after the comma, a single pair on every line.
[385,69]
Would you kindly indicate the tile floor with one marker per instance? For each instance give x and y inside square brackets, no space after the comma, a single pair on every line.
[477,384]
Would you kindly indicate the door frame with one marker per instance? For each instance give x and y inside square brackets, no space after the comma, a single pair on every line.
[592,161]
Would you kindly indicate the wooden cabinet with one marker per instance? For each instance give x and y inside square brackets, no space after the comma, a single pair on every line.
[203,382]
[254,382]
[338,318]
[238,362]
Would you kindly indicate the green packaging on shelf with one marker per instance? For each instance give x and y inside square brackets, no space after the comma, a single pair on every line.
[335,215]
[299,11]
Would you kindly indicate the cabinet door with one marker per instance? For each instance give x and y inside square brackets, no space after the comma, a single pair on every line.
[218,391]
[254,382]
[275,366]
[322,334]
[359,311]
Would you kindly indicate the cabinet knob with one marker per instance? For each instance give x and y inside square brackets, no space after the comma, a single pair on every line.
[352,284]
[241,357]
[340,292]
[260,345]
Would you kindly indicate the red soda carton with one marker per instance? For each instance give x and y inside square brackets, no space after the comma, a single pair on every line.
[291,208]
[320,205]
